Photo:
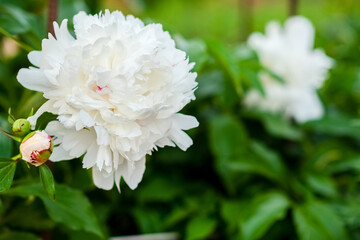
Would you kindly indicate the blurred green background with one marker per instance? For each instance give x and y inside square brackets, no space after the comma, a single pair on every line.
[248,175]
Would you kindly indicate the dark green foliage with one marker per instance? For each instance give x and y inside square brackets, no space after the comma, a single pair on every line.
[7,171]
[70,208]
[47,181]
[249,175]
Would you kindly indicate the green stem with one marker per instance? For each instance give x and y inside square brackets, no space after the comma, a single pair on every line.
[18,139]
[18,42]
[16,157]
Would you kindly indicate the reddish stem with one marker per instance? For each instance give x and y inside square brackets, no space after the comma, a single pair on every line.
[246,14]
[52,14]
[293,7]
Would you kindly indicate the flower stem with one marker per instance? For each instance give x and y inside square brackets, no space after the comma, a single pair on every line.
[293,5]
[52,14]
[16,40]
[246,15]
[16,157]
[18,139]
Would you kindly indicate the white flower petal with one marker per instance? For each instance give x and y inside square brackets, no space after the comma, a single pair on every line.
[300,32]
[102,135]
[62,33]
[103,157]
[117,178]
[181,139]
[132,172]
[35,57]
[60,154]
[103,179]
[90,157]
[289,53]
[86,118]
[185,122]
[33,79]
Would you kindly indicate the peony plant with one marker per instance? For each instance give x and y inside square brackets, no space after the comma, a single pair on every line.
[117,88]
[113,91]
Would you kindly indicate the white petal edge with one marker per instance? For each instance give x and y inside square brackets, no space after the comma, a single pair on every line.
[33,79]
[103,179]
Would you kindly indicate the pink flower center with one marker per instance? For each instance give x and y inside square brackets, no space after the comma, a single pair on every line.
[34,156]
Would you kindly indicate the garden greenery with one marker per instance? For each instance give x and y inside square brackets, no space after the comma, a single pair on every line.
[250,174]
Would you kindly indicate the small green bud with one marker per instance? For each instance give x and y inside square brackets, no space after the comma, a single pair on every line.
[21,127]
[36,148]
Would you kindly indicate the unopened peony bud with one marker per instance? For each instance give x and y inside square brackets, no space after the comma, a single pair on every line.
[36,148]
[21,127]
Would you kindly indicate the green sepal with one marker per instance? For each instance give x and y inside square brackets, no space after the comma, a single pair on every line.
[18,139]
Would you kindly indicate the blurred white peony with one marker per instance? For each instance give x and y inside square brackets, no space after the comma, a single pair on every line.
[289,53]
[117,88]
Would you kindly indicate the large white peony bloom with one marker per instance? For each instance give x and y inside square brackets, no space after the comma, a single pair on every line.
[117,87]
[289,53]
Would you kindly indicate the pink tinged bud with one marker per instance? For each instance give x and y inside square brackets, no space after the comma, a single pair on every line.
[36,148]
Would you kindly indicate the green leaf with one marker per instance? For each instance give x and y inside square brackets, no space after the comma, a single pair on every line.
[7,171]
[255,80]
[6,145]
[210,84]
[228,140]
[269,160]
[5,133]
[14,19]
[148,220]
[178,214]
[18,235]
[235,153]
[326,153]
[200,227]
[275,124]
[231,212]
[349,211]
[349,164]
[70,208]
[335,125]
[196,50]
[47,180]
[29,100]
[227,136]
[257,159]
[261,213]
[11,118]
[315,220]
[44,119]
[31,113]
[321,184]
[159,190]
[68,8]
[279,126]
[29,217]
[226,60]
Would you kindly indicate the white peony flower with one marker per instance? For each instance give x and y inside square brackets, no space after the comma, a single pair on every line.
[289,53]
[117,88]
